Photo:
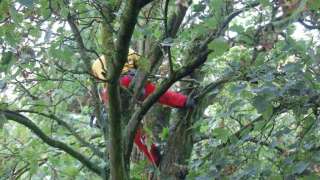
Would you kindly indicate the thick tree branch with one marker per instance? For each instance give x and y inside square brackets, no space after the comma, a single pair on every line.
[195,62]
[164,86]
[128,21]
[115,65]
[70,129]
[86,59]
[11,115]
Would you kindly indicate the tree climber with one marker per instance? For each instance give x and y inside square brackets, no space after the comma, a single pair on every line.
[169,98]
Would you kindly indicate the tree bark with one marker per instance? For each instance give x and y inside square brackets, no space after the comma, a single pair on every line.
[117,52]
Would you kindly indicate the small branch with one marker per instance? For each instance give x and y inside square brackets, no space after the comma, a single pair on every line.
[188,80]
[11,115]
[279,149]
[167,47]
[225,24]
[151,18]
[247,127]
[79,40]
[156,54]
[26,90]
[309,27]
[212,86]
[86,59]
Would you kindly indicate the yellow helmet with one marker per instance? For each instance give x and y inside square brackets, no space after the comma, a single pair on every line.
[99,65]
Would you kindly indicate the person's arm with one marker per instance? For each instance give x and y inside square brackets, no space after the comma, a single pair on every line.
[169,98]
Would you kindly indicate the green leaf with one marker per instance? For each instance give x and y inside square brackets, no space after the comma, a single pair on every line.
[3,105]
[4,8]
[313,5]
[276,177]
[3,120]
[268,112]
[219,47]
[44,10]
[265,3]
[236,28]
[310,177]
[6,58]
[259,125]
[7,61]
[11,35]
[71,171]
[217,7]
[233,139]
[238,88]
[300,167]
[199,7]
[16,16]
[35,32]
[164,134]
[221,133]
[211,23]
[33,166]
[64,12]
[263,106]
[245,134]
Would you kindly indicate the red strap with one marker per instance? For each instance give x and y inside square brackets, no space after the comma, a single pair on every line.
[140,142]
[152,156]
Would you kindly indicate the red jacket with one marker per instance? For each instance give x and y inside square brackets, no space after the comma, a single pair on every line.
[169,98]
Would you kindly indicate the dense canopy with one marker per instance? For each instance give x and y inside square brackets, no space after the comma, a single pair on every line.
[249,70]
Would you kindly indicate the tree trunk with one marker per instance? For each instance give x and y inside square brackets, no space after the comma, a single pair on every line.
[178,148]
[117,169]
[180,143]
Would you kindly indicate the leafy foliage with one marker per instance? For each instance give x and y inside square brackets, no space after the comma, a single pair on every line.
[261,122]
